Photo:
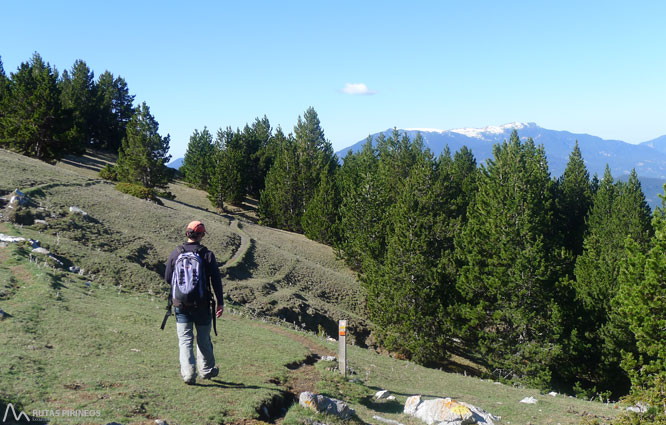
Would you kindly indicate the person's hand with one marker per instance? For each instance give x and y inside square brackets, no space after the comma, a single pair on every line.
[220,309]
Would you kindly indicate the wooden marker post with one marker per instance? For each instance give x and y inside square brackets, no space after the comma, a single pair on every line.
[342,347]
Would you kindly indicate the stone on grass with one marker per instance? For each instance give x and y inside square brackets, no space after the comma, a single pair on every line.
[74,269]
[161,422]
[41,250]
[411,404]
[322,404]
[383,394]
[328,358]
[77,210]
[529,400]
[552,394]
[11,239]
[638,408]
[445,411]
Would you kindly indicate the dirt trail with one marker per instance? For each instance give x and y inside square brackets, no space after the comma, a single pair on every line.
[246,243]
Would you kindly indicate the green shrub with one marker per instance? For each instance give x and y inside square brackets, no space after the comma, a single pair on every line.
[109,172]
[139,191]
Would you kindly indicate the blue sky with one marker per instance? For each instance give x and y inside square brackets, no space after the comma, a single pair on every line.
[586,67]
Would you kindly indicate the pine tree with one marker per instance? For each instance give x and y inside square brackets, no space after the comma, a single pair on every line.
[574,201]
[114,109]
[360,211]
[407,294]
[507,279]
[639,305]
[198,163]
[321,219]
[34,122]
[144,153]
[229,181]
[314,153]
[280,202]
[261,156]
[79,96]
[619,211]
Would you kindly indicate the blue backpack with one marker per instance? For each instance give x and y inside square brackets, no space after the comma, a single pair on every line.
[188,280]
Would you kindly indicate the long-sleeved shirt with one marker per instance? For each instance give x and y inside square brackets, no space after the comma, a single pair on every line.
[210,265]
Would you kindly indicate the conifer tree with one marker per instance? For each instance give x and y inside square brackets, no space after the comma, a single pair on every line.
[314,153]
[260,156]
[144,153]
[229,181]
[115,108]
[198,163]
[507,279]
[360,211]
[79,96]
[619,211]
[280,201]
[34,121]
[574,201]
[639,305]
[406,295]
[321,219]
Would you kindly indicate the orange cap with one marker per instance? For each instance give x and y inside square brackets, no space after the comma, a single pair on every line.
[195,227]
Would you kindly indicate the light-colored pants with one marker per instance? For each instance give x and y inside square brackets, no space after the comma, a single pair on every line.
[205,357]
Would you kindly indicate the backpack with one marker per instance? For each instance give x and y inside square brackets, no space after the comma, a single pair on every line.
[188,280]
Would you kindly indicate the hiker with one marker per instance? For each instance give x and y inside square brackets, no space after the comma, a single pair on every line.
[190,271]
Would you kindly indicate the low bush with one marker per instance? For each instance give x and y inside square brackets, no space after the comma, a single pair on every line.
[109,173]
[139,191]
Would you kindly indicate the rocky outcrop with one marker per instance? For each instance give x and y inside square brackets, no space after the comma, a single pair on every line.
[445,411]
[322,404]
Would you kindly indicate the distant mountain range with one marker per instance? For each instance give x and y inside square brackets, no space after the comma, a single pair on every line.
[648,158]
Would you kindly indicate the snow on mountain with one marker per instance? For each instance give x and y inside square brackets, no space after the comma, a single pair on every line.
[482,133]
[648,159]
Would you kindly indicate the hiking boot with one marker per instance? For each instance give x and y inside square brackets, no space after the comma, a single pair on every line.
[191,380]
[212,374]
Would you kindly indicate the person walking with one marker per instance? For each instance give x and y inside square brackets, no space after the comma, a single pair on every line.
[191,271]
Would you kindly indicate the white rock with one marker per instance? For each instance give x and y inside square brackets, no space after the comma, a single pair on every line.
[412,404]
[328,358]
[39,221]
[321,404]
[383,394]
[160,422]
[529,400]
[447,412]
[41,251]
[77,210]
[552,394]
[391,398]
[12,239]
[638,408]
[443,411]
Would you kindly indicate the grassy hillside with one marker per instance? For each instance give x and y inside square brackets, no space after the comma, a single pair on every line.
[273,273]
[91,341]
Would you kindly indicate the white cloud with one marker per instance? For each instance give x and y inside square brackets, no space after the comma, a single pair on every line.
[360,88]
